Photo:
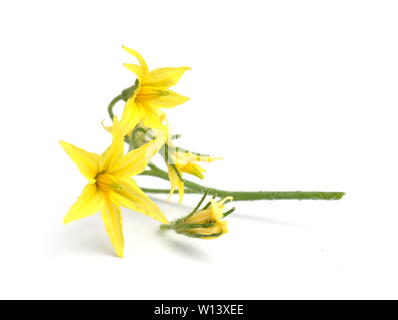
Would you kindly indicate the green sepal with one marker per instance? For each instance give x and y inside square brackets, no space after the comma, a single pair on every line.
[199,225]
[201,236]
[129,92]
[226,214]
[196,209]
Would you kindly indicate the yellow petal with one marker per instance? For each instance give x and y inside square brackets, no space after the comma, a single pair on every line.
[148,93]
[165,77]
[152,118]
[175,183]
[132,197]
[113,154]
[160,97]
[145,113]
[86,205]
[140,59]
[132,115]
[201,217]
[113,224]
[135,161]
[218,230]
[183,157]
[193,169]
[138,70]
[87,162]
[205,158]
[185,161]
[169,100]
[107,128]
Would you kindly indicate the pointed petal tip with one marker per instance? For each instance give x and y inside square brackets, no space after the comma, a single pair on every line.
[165,220]
[181,196]
[109,128]
[115,122]
[65,145]
[159,216]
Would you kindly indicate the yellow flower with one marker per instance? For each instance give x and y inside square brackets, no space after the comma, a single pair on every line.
[179,162]
[110,186]
[151,94]
[204,224]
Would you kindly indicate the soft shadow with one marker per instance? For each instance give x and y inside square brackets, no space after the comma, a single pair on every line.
[88,238]
[267,220]
[173,204]
[183,248]
[88,246]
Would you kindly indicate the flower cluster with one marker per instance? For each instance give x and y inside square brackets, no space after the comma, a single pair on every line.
[144,127]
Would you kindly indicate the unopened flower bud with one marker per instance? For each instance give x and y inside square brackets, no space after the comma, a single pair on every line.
[205,224]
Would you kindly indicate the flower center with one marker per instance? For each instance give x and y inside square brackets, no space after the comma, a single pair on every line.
[107,182]
[148,93]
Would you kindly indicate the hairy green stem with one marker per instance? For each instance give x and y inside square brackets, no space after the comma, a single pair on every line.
[165,227]
[192,187]
[125,95]
[112,104]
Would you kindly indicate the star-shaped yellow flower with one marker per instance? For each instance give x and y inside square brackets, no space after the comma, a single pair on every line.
[151,95]
[110,185]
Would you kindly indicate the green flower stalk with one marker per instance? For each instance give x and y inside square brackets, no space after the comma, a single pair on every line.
[143,114]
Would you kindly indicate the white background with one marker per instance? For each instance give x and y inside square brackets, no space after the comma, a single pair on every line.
[295,95]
